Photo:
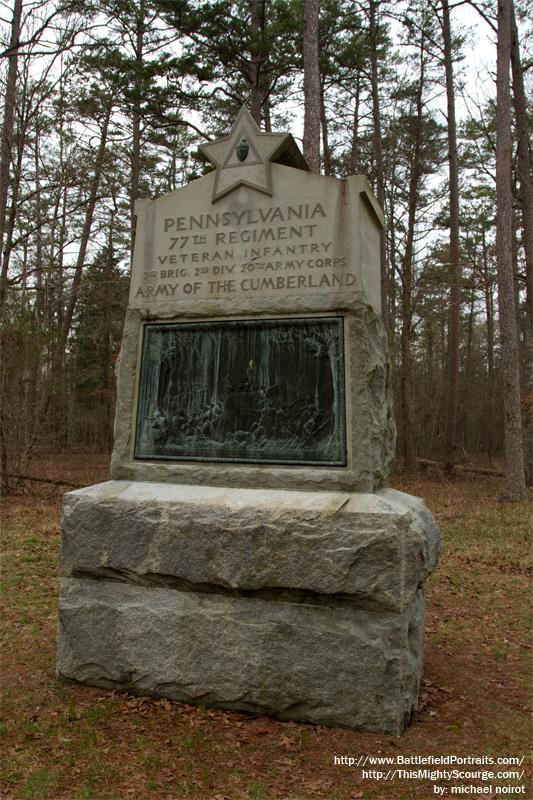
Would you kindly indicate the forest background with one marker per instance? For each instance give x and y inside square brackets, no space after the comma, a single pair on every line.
[107,101]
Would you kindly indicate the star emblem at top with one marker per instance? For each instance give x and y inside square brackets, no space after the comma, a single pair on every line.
[243,157]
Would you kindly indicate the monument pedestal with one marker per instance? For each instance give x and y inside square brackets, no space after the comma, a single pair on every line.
[300,605]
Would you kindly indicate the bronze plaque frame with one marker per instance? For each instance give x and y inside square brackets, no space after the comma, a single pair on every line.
[258,391]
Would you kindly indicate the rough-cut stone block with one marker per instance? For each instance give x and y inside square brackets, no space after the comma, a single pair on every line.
[370,549]
[332,666]
[302,605]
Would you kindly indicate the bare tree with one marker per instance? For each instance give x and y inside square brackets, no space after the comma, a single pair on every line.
[377,143]
[136,116]
[514,463]
[406,380]
[455,255]
[526,205]
[7,138]
[86,231]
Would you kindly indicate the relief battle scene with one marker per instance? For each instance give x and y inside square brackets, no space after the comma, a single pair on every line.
[261,391]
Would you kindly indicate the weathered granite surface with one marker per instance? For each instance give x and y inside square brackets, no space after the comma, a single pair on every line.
[371,548]
[300,246]
[302,605]
[332,666]
[192,252]
[370,434]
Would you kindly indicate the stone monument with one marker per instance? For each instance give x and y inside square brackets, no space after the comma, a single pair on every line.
[246,553]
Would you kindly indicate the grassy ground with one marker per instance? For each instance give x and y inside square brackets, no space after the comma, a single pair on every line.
[67,742]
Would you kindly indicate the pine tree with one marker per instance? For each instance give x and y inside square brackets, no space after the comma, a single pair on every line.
[94,346]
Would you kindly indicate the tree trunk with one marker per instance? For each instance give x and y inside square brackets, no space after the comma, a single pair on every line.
[454,253]
[5,160]
[256,25]
[311,142]
[34,384]
[354,151]
[324,126]
[106,439]
[514,462]
[526,207]
[392,256]
[406,382]
[377,143]
[39,304]
[489,311]
[7,137]
[18,151]
[87,225]
[267,116]
[11,217]
[136,120]
[407,282]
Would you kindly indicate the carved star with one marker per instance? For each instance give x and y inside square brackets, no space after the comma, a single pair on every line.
[243,157]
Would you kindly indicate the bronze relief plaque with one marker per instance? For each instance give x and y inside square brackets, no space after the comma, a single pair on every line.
[256,391]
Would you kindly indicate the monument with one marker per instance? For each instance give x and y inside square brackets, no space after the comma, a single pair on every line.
[246,553]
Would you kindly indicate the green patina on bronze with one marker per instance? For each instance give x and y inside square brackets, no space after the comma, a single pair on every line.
[258,391]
